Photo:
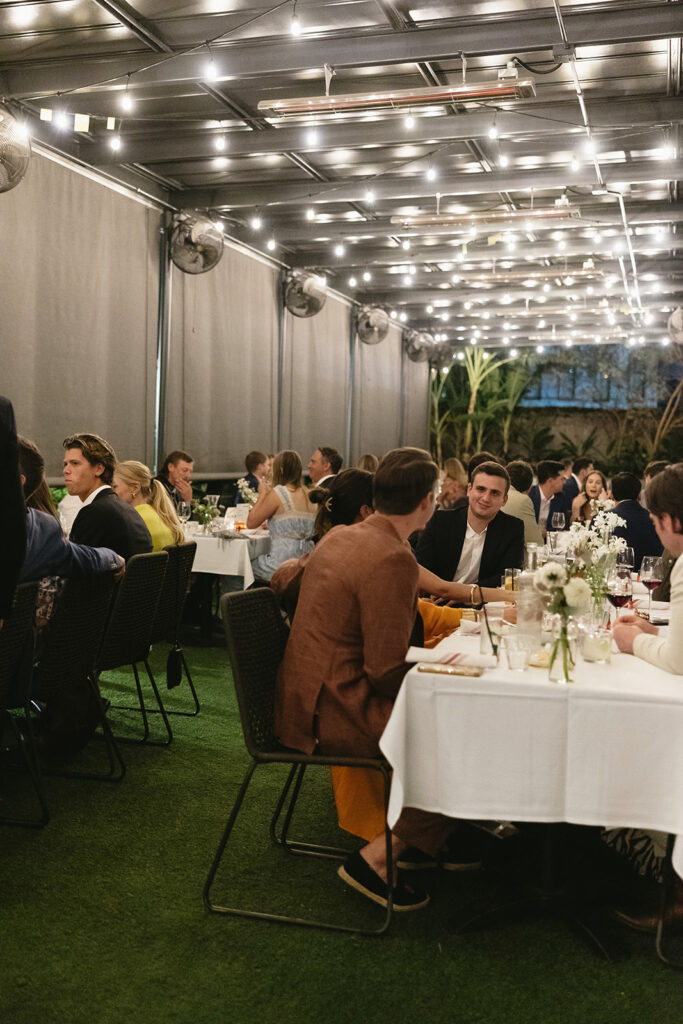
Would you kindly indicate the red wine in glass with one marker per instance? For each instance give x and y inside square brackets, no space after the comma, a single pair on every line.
[651,584]
[618,600]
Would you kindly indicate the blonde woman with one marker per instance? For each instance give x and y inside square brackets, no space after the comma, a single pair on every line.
[134,483]
[290,513]
[453,483]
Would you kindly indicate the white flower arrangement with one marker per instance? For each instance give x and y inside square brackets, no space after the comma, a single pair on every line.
[247,493]
[577,595]
[601,505]
[595,549]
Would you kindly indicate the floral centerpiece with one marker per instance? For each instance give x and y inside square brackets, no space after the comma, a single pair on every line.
[205,513]
[247,493]
[595,550]
[568,595]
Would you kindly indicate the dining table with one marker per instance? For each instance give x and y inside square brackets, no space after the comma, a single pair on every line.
[604,750]
[230,553]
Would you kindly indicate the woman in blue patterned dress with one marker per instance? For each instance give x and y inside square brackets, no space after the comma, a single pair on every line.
[290,513]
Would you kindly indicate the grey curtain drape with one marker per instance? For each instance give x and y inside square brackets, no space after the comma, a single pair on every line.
[79,280]
[221,396]
[377,395]
[415,426]
[316,380]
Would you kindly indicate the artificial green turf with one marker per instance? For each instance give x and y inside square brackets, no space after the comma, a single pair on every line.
[102,921]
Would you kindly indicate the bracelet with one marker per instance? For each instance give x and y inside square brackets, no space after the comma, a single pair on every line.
[473,587]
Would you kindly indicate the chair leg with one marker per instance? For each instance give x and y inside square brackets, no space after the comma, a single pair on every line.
[30,759]
[668,890]
[195,698]
[117,767]
[294,845]
[143,710]
[217,908]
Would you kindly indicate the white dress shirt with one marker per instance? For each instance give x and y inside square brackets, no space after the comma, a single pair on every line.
[470,556]
[93,495]
[544,509]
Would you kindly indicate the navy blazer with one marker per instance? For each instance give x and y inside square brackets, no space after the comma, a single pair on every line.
[639,533]
[12,513]
[556,505]
[440,545]
[569,492]
[110,522]
[48,554]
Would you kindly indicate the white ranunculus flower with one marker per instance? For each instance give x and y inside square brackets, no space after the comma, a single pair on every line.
[577,594]
[549,577]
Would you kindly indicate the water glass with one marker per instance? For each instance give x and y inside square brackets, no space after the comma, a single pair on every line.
[557,521]
[517,652]
[212,500]
[184,511]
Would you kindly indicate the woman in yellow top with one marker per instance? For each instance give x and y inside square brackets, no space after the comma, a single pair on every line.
[133,482]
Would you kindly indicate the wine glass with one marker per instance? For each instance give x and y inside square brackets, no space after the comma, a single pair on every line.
[619,589]
[651,575]
[557,521]
[212,500]
[625,560]
[184,511]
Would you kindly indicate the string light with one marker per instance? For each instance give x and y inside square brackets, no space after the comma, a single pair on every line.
[310,213]
[270,244]
[367,276]
[339,250]
[352,282]
[255,223]
[219,143]
[295,24]
[115,143]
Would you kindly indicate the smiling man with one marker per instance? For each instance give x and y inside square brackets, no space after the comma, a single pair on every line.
[105,520]
[323,464]
[477,543]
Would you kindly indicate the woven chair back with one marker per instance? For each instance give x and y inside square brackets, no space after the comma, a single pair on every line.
[73,635]
[256,638]
[16,647]
[127,638]
[166,625]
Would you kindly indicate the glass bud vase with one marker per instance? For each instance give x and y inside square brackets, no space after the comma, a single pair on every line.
[562,659]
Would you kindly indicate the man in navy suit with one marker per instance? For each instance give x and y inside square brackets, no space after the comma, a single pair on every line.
[476,543]
[105,520]
[547,497]
[580,470]
[639,533]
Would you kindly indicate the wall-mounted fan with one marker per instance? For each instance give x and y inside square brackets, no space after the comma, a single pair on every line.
[196,242]
[15,150]
[372,324]
[305,294]
[419,346]
[675,326]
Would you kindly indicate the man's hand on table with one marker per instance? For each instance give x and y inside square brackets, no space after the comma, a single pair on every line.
[627,628]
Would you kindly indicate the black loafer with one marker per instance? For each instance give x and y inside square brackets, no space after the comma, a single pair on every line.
[357,873]
[413,859]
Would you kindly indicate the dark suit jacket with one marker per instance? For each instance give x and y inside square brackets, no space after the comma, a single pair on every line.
[12,511]
[569,492]
[440,546]
[556,505]
[48,554]
[639,533]
[109,522]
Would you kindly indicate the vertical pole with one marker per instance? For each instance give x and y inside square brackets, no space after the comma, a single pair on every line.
[163,338]
[401,440]
[351,458]
[281,353]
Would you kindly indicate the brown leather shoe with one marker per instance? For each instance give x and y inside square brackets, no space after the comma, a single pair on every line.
[646,919]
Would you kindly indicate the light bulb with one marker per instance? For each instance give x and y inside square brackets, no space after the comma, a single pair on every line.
[431,174]
[352,282]
[506,340]
[60,120]
[403,317]
[220,161]
[514,353]
[339,250]
[409,121]
[210,71]
[540,349]
[369,196]
[255,223]
[295,25]
[127,102]
[430,309]
[310,213]
[504,160]
[219,226]
[367,276]
[405,244]
[115,143]
[493,132]
[270,244]
[219,143]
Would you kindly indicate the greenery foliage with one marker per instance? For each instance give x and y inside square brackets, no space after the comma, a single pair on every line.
[481,401]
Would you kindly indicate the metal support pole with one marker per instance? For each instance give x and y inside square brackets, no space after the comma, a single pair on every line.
[163,338]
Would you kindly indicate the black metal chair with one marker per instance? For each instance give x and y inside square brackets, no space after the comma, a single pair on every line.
[16,662]
[256,638]
[168,619]
[66,664]
[127,638]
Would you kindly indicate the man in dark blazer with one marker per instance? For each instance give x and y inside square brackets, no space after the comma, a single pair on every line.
[547,496]
[105,520]
[476,543]
[12,514]
[580,470]
[639,533]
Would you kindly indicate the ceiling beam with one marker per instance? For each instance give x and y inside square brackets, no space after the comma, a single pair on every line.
[358,255]
[510,33]
[530,119]
[409,187]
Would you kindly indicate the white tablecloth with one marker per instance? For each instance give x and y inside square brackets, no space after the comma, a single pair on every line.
[230,557]
[604,750]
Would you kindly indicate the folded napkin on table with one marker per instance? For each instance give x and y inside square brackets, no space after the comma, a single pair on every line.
[433,657]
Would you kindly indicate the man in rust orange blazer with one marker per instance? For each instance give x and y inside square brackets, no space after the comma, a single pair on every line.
[345,658]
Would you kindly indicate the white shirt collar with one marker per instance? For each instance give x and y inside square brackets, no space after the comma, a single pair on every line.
[91,497]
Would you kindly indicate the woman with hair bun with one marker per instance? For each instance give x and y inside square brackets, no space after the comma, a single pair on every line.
[289,511]
[134,484]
